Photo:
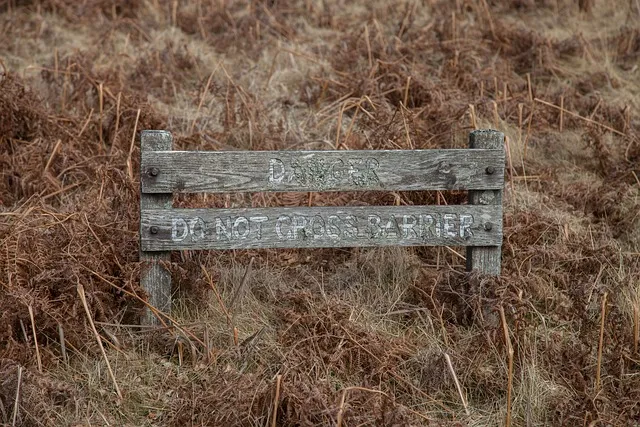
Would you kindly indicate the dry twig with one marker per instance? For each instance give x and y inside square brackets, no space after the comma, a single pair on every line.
[636,328]
[16,402]
[35,339]
[276,400]
[601,340]
[509,347]
[133,140]
[586,119]
[458,386]
[98,339]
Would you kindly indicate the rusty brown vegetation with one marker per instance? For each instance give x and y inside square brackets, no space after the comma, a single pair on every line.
[320,337]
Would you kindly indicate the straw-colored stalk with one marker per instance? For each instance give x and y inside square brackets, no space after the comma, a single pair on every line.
[35,339]
[276,400]
[507,141]
[490,19]
[353,121]
[207,344]
[24,331]
[576,115]
[601,341]
[83,298]
[86,123]
[55,63]
[339,125]
[457,383]
[496,116]
[133,140]
[180,346]
[627,118]
[202,97]
[520,108]
[343,399]
[16,402]
[636,328]
[472,115]
[507,341]
[368,41]
[561,112]
[62,190]
[214,288]
[528,135]
[406,92]
[53,154]
[174,13]
[101,105]
[595,109]
[406,128]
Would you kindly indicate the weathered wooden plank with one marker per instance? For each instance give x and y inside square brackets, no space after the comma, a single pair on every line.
[306,227]
[395,170]
[155,279]
[486,260]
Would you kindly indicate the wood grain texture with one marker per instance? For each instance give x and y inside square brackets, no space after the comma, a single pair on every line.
[320,227]
[250,171]
[486,260]
[155,279]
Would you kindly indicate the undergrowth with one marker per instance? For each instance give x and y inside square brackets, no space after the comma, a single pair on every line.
[327,336]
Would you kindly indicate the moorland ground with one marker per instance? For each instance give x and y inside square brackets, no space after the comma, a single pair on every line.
[327,336]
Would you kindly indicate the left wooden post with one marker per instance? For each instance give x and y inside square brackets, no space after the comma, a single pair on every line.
[154,278]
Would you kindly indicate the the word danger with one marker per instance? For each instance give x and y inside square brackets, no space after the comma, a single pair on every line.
[319,172]
[334,227]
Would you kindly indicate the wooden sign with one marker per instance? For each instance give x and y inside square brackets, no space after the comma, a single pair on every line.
[477,225]
[393,170]
[323,227]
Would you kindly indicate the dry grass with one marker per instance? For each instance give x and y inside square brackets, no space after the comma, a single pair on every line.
[320,337]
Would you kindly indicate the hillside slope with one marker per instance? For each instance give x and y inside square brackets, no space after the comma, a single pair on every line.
[326,337]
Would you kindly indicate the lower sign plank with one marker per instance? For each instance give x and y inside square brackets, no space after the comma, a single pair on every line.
[179,229]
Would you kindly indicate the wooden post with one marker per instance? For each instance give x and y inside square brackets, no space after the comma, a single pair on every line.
[485,259]
[155,279]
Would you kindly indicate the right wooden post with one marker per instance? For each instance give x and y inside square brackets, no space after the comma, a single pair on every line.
[485,259]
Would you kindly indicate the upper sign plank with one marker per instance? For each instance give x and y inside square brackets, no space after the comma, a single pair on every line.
[251,171]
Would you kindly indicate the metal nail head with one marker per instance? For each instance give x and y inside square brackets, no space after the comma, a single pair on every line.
[488,226]
[490,170]
[154,171]
[153,229]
